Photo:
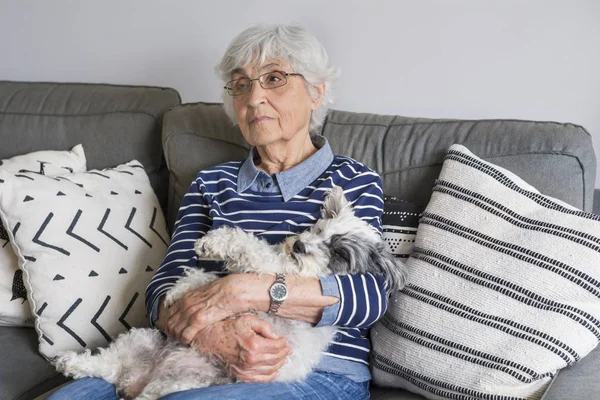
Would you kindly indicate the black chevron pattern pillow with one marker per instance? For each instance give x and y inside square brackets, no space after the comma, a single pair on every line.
[14,306]
[88,244]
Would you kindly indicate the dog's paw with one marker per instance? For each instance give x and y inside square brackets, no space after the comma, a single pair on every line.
[200,248]
[214,243]
[174,294]
[64,362]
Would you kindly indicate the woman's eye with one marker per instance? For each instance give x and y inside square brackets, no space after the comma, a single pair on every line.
[240,85]
[273,78]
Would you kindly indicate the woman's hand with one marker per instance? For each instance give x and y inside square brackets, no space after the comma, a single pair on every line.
[247,345]
[202,307]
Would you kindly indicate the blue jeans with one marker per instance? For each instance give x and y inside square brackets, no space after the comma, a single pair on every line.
[317,386]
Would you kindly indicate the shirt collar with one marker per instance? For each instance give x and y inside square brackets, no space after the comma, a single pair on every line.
[293,180]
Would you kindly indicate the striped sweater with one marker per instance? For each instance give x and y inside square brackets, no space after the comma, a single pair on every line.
[274,207]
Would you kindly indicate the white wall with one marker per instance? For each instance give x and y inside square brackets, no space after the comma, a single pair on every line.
[529,59]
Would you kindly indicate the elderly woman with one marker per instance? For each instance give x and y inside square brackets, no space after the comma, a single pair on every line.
[277,91]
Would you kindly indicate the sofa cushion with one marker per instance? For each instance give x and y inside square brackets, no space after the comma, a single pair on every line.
[378,393]
[577,382]
[406,152]
[503,287]
[24,373]
[115,123]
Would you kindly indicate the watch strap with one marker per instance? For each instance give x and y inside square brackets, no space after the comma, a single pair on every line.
[276,304]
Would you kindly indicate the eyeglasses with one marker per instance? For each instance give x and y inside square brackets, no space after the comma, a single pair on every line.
[269,80]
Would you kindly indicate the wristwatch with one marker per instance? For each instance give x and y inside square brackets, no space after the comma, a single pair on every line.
[278,292]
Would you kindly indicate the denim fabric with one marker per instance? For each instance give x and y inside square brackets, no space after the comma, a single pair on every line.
[317,386]
[86,388]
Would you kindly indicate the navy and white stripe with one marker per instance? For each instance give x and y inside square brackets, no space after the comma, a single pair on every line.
[504,287]
[214,200]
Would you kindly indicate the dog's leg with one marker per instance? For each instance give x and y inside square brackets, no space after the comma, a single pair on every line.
[243,251]
[183,368]
[157,389]
[105,365]
[127,359]
[307,343]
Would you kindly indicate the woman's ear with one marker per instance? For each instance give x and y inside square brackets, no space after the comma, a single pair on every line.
[318,93]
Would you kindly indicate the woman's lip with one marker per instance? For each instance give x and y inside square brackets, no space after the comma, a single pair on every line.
[259,119]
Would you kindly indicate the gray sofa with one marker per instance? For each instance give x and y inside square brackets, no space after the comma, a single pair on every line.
[118,123]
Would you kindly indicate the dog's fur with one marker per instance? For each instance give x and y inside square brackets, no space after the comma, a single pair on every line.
[144,365]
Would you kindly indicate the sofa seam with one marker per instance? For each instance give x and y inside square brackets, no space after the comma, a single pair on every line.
[48,94]
[131,111]
[455,121]
[381,150]
[53,376]
[552,381]
[489,156]
[115,85]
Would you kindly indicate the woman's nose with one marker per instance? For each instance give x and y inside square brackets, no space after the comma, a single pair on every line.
[257,95]
[299,247]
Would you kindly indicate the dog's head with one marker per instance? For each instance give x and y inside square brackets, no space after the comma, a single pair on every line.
[341,243]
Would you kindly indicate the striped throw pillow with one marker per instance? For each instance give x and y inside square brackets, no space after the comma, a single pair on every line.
[504,290]
[399,222]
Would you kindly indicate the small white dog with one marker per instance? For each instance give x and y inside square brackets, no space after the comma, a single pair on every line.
[143,364]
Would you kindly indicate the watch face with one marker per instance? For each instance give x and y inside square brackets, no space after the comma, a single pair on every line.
[279,292]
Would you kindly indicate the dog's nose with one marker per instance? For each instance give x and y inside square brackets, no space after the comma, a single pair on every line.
[299,247]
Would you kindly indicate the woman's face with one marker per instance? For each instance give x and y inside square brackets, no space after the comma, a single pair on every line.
[267,116]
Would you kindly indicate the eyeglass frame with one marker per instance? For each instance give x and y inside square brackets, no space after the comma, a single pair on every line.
[286,74]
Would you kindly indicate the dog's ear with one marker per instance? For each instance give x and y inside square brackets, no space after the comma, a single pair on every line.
[347,255]
[335,203]
[351,255]
[383,262]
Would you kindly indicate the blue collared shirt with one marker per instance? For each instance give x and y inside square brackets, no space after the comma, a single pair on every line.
[253,200]
[289,182]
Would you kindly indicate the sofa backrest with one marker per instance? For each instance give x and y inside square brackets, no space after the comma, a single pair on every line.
[115,124]
[556,158]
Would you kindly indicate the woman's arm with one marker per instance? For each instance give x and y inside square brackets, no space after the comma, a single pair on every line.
[240,293]
[342,300]
[355,301]
[247,345]
[305,301]
[193,221]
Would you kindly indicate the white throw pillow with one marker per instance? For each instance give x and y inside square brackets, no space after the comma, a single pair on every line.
[14,308]
[504,289]
[88,246]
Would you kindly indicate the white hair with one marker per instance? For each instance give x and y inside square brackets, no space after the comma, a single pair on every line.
[292,44]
